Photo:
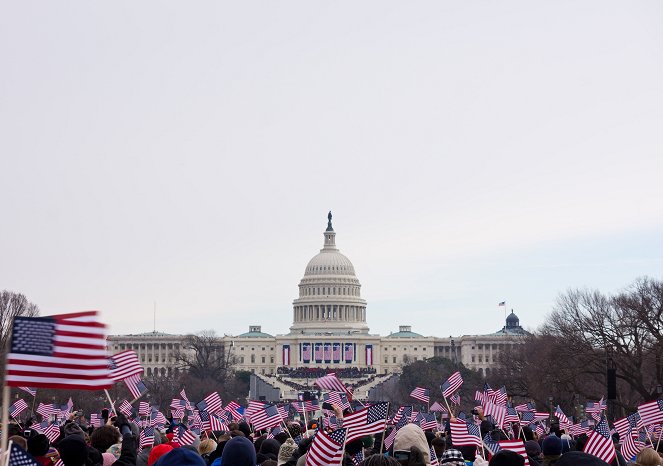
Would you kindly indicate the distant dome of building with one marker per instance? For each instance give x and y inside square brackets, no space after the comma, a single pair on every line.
[512,320]
[512,326]
[329,299]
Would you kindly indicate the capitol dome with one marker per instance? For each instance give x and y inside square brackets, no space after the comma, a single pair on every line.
[329,293]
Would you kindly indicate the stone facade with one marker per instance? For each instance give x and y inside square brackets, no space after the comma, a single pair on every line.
[330,330]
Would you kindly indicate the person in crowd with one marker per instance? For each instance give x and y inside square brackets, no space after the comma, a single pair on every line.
[533,450]
[287,449]
[578,458]
[239,451]
[551,448]
[452,457]
[411,447]
[648,457]
[205,448]
[38,447]
[507,458]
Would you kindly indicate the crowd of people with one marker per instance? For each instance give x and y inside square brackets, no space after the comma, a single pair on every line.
[117,443]
[316,372]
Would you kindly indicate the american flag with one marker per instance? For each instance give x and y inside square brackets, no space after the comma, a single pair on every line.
[422,394]
[306,352]
[540,430]
[327,352]
[525,407]
[135,385]
[274,432]
[464,433]
[480,398]
[332,383]
[254,407]
[31,391]
[233,409]
[491,444]
[267,417]
[52,432]
[651,413]
[564,422]
[302,406]
[284,411]
[318,352]
[349,352]
[630,447]
[185,436]
[402,411]
[499,397]
[17,408]
[497,412]
[336,398]
[211,403]
[187,404]
[438,407]
[455,399]
[96,420]
[217,424]
[515,445]
[511,415]
[433,457]
[143,408]
[146,438]
[125,408]
[404,419]
[367,421]
[19,457]
[635,420]
[336,355]
[596,408]
[62,351]
[600,443]
[452,384]
[47,410]
[326,448]
[330,421]
[426,421]
[124,364]
[623,427]
[158,418]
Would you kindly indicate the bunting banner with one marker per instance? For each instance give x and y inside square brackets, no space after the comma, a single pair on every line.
[349,353]
[286,355]
[369,355]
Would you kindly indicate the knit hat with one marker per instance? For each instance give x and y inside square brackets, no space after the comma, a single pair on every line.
[452,457]
[578,458]
[38,445]
[73,450]
[71,428]
[533,448]
[157,452]
[181,457]
[286,451]
[238,451]
[552,445]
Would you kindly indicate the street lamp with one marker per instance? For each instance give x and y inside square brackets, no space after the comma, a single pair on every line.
[550,404]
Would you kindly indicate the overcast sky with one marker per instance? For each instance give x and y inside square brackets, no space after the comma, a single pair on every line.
[188,152]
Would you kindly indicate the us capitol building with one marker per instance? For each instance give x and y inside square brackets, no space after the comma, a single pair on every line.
[329,330]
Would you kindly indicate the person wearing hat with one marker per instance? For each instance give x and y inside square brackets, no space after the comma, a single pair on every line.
[507,458]
[552,449]
[38,446]
[181,457]
[452,457]
[579,458]
[286,451]
[533,450]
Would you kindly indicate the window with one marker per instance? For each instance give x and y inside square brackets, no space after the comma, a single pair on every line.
[263,348]
[263,361]
[386,359]
[253,358]
[472,358]
[271,360]
[241,359]
[394,359]
[424,349]
[415,348]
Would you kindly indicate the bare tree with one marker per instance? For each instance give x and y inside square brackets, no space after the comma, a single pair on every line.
[203,356]
[12,305]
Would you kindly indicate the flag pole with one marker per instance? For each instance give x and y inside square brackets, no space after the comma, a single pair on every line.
[305,420]
[385,429]
[110,401]
[659,438]
[7,453]
[5,416]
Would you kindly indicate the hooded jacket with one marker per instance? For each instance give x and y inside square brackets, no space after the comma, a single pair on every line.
[411,435]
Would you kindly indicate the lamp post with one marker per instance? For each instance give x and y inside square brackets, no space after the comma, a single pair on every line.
[550,404]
